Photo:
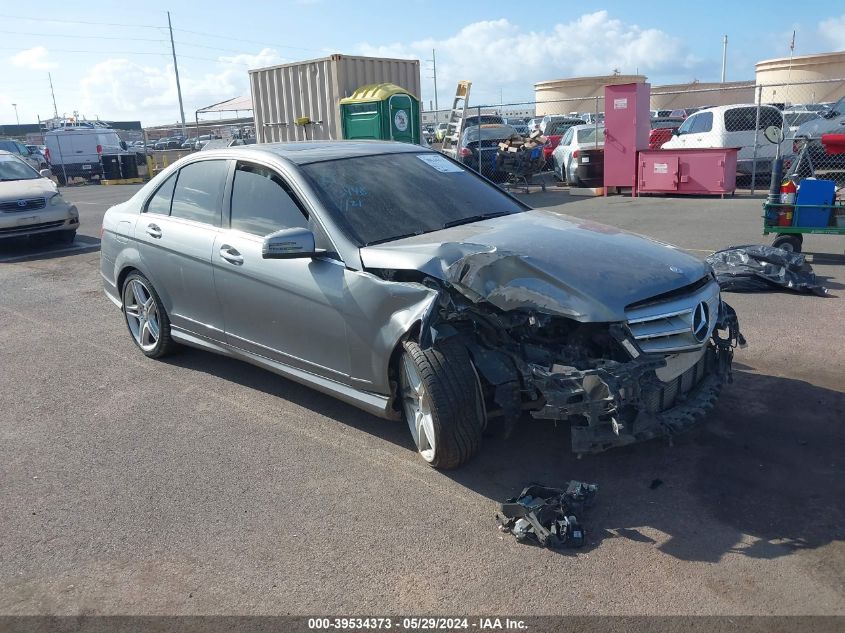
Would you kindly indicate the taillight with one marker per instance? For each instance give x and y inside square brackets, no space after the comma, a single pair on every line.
[576,154]
[464,152]
[102,230]
[796,147]
[99,149]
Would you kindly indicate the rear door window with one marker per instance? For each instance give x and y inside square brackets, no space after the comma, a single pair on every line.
[199,192]
[160,202]
[701,123]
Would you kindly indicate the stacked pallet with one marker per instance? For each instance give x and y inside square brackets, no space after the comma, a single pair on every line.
[517,143]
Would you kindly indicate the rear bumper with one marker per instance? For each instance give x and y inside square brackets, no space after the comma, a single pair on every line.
[78,170]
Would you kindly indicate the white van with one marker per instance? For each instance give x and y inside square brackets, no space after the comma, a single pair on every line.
[75,151]
[733,126]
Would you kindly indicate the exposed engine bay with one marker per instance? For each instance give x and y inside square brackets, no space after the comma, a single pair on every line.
[593,375]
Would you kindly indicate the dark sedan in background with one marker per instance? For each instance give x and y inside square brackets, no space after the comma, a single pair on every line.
[478,148]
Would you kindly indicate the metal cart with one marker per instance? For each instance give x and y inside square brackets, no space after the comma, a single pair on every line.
[521,167]
[791,238]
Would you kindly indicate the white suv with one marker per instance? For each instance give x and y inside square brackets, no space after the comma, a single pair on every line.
[733,126]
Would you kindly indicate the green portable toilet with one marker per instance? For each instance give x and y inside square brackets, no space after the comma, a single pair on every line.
[381,111]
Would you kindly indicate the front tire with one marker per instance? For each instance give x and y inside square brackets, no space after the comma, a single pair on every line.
[441,400]
[146,317]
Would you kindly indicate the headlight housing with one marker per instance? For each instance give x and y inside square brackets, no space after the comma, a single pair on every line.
[57,200]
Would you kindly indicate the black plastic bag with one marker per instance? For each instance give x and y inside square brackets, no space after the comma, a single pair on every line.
[757,268]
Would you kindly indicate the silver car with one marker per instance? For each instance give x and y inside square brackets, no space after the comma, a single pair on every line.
[30,204]
[402,282]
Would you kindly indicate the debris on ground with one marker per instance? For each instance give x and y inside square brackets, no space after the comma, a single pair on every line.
[547,516]
[757,268]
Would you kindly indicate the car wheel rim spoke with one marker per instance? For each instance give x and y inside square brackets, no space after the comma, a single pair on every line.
[417,408]
[141,312]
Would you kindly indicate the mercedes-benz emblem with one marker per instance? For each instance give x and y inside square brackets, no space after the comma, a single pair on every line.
[700,321]
[21,203]
[677,270]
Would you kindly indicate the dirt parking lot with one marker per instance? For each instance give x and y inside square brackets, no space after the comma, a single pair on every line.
[202,485]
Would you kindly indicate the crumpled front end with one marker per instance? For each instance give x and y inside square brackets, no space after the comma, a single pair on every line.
[617,403]
[655,374]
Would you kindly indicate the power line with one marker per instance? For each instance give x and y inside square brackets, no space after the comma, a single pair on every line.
[152,26]
[40,19]
[86,37]
[239,39]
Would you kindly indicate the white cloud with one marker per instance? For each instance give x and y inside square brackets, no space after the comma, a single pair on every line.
[832,32]
[496,54]
[33,59]
[119,88]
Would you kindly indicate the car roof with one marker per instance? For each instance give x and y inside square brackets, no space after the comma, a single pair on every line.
[304,152]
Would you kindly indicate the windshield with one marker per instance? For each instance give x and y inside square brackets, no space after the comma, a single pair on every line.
[798,118]
[12,168]
[381,198]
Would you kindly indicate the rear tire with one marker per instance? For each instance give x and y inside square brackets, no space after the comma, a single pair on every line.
[791,243]
[441,401]
[146,318]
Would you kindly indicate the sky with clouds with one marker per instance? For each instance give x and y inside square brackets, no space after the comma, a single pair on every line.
[115,62]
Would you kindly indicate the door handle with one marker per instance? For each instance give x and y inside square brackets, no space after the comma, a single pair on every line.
[231,255]
[153,230]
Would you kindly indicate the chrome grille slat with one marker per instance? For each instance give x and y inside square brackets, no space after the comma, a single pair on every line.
[29,204]
[666,326]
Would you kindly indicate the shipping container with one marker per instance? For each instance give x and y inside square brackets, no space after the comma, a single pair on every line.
[282,96]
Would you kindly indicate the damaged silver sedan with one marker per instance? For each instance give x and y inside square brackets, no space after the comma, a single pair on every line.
[395,279]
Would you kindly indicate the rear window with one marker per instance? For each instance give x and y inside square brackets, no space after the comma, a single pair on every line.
[668,123]
[489,133]
[745,119]
[588,135]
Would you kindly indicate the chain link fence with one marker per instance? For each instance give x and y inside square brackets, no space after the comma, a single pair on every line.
[734,115]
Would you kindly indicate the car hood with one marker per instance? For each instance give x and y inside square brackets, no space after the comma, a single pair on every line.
[35,188]
[546,262]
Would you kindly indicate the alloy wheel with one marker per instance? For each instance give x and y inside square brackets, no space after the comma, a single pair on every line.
[142,316]
[417,405]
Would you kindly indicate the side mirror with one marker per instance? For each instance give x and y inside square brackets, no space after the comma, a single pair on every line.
[123,145]
[294,243]
[45,173]
[676,132]
[773,134]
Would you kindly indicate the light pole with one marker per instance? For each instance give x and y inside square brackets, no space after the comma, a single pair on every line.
[15,106]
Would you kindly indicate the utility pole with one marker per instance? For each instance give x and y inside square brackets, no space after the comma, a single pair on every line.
[433,61]
[724,56]
[52,92]
[15,106]
[176,69]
